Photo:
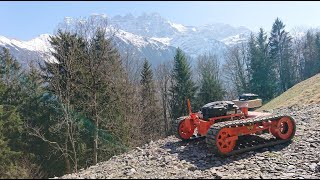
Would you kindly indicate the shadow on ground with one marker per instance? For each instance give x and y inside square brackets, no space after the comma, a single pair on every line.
[196,152]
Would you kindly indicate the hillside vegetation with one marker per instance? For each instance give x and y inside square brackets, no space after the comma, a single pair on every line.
[305,92]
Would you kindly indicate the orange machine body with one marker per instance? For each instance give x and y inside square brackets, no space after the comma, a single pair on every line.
[194,121]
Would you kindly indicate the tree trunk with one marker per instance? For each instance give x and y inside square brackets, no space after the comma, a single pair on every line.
[165,115]
[67,161]
[68,166]
[75,158]
[95,146]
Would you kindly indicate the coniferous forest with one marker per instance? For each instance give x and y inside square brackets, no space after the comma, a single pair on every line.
[57,118]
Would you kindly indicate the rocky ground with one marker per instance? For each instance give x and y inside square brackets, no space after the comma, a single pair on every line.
[172,158]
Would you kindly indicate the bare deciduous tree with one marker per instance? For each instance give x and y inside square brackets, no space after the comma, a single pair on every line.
[163,83]
[235,71]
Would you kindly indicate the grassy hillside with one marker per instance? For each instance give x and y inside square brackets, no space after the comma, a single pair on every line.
[305,92]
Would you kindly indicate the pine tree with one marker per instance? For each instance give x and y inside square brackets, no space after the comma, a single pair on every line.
[40,109]
[310,55]
[5,153]
[150,110]
[101,95]
[210,83]
[11,128]
[11,77]
[13,96]
[317,44]
[61,83]
[261,68]
[10,73]
[183,87]
[281,53]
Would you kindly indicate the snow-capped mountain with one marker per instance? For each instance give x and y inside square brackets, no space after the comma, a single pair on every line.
[35,50]
[153,25]
[141,47]
[193,40]
[147,25]
[147,36]
[234,40]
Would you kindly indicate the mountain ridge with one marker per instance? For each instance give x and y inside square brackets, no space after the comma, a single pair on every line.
[149,36]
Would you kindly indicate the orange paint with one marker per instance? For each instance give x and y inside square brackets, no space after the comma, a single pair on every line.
[227,137]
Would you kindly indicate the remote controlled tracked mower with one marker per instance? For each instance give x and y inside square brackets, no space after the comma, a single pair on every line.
[223,122]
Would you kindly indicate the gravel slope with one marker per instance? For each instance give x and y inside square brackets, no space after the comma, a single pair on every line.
[171,158]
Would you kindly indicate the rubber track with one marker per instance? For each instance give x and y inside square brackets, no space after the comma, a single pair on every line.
[245,145]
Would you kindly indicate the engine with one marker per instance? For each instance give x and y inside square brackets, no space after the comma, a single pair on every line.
[218,108]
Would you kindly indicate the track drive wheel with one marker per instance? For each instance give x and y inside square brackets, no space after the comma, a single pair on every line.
[216,140]
[181,131]
[224,146]
[284,129]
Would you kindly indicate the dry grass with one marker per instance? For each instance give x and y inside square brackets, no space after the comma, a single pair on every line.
[305,92]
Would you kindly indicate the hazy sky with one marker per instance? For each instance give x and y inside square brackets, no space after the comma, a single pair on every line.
[26,20]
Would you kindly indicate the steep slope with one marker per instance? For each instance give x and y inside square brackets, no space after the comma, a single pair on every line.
[172,158]
[305,92]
